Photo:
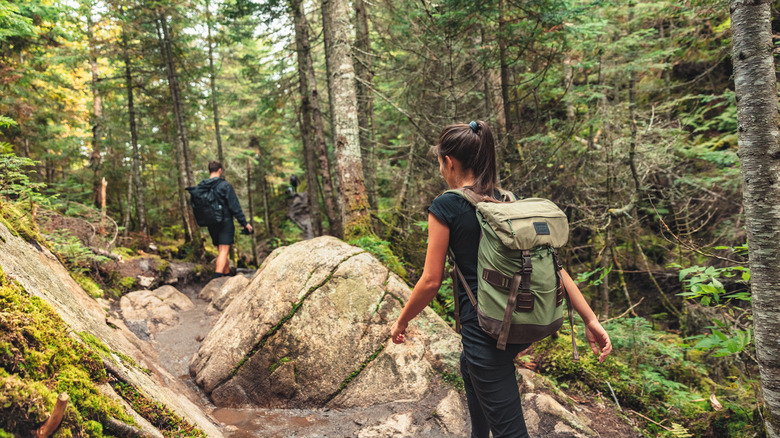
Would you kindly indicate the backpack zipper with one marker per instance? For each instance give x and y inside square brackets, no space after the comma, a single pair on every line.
[509,221]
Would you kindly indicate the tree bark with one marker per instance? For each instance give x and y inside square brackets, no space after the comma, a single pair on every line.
[305,118]
[251,208]
[176,100]
[181,155]
[254,144]
[213,81]
[95,160]
[759,152]
[355,217]
[365,99]
[511,146]
[140,205]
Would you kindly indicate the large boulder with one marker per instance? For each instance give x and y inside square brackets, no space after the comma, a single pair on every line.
[312,330]
[147,312]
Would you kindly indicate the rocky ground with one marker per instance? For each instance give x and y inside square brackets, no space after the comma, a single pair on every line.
[300,349]
[433,410]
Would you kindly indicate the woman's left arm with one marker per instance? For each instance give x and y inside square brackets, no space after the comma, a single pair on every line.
[430,280]
[598,338]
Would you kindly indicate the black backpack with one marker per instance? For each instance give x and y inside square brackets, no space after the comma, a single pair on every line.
[206,204]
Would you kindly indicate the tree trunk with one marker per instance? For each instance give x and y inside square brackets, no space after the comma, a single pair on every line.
[328,193]
[95,160]
[365,100]
[605,263]
[355,217]
[759,152]
[176,100]
[213,80]
[126,222]
[181,156]
[327,38]
[140,205]
[254,144]
[511,146]
[305,118]
[251,208]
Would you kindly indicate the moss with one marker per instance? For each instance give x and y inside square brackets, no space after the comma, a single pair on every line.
[98,346]
[358,227]
[279,363]
[19,222]
[454,380]
[90,287]
[127,283]
[164,419]
[38,360]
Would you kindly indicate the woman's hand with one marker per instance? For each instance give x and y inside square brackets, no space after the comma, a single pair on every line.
[598,339]
[397,332]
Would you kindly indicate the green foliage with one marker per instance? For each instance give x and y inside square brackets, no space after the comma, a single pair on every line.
[381,250]
[652,372]
[76,256]
[15,182]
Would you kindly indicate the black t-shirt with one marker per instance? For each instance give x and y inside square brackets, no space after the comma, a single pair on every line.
[461,218]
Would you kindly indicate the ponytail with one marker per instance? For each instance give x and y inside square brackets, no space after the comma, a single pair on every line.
[473,146]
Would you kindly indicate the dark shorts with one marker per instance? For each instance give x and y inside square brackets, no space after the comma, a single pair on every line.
[222,233]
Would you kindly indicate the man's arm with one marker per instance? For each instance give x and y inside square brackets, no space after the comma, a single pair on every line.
[234,207]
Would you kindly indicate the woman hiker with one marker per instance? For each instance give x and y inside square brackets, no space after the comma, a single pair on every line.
[467,158]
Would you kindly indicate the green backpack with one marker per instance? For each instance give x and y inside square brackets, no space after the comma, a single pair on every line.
[520,290]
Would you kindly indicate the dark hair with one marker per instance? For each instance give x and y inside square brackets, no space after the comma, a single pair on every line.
[214,166]
[473,146]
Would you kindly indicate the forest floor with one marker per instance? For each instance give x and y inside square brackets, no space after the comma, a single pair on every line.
[176,346]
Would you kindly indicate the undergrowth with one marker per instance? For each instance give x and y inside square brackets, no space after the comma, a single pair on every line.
[658,375]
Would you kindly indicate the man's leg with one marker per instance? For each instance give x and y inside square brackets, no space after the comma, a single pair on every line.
[222,259]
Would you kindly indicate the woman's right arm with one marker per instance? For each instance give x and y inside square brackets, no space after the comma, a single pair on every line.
[430,281]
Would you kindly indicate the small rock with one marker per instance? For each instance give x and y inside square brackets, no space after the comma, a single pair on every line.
[146,312]
[450,414]
[213,286]
[145,282]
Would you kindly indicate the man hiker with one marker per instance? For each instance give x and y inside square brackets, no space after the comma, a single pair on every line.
[222,232]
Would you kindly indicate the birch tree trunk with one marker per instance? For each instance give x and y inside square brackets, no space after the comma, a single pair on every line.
[140,205]
[759,152]
[355,217]
[213,81]
[365,77]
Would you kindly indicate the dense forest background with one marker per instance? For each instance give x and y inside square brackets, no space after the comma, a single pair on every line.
[624,114]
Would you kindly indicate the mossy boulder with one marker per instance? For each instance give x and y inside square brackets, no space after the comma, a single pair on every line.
[312,330]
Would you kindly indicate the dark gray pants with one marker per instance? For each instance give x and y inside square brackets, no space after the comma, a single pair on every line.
[491,386]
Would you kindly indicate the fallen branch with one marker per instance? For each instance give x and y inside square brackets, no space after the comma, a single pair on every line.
[614,397]
[630,309]
[648,419]
[54,420]
[125,430]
